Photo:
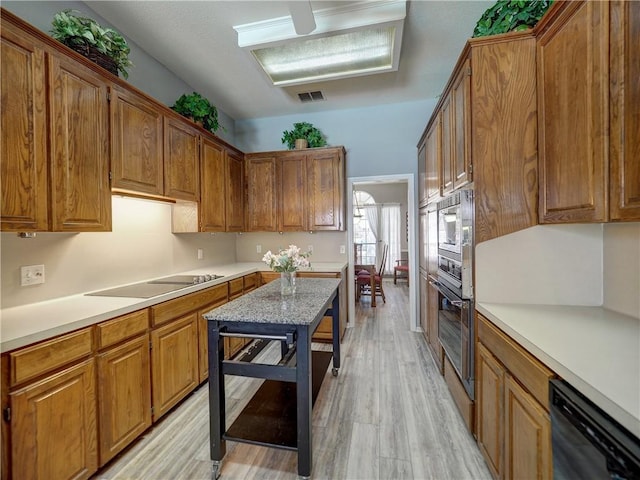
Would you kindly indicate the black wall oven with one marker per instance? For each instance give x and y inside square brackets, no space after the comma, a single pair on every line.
[586,442]
[455,283]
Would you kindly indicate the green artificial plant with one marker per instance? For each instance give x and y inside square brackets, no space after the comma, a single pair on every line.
[510,15]
[200,109]
[303,130]
[75,30]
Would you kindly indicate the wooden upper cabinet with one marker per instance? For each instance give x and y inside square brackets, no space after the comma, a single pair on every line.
[422,171]
[461,146]
[181,160]
[136,143]
[573,91]
[234,164]
[325,173]
[433,144]
[624,111]
[79,116]
[23,167]
[292,189]
[446,156]
[213,191]
[262,192]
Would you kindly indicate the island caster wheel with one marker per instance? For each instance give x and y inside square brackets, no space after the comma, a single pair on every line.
[334,371]
[215,469]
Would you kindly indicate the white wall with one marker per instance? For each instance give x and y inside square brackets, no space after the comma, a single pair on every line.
[147,74]
[326,245]
[141,246]
[622,268]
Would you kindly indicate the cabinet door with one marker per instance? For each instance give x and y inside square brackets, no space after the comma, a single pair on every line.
[23,166]
[446,162]
[432,327]
[424,301]
[422,172]
[527,444]
[235,191]
[262,177]
[181,160]
[625,111]
[292,202]
[423,236]
[213,197]
[53,426]
[433,154]
[81,194]
[490,410]
[124,386]
[432,239]
[461,98]
[136,143]
[325,172]
[174,362]
[573,81]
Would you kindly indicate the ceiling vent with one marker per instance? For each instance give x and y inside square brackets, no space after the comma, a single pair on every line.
[316,96]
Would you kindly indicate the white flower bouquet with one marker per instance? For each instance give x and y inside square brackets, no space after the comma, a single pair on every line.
[289,260]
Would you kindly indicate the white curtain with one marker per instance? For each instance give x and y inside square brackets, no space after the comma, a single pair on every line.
[390,231]
[372,213]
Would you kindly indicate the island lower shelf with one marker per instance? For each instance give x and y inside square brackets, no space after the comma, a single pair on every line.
[270,417]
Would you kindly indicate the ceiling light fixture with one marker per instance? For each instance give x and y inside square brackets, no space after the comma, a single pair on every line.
[351,40]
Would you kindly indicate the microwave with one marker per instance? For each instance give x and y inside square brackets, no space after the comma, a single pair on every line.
[455,241]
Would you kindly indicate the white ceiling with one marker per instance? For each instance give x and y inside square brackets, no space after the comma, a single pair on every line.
[196,41]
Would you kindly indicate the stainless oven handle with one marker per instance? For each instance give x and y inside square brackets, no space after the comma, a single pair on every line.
[443,291]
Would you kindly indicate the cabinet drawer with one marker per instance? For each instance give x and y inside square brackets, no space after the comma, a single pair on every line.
[266,277]
[250,282]
[30,362]
[119,329]
[180,306]
[235,288]
[532,374]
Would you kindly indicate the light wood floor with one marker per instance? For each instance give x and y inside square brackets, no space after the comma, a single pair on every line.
[388,415]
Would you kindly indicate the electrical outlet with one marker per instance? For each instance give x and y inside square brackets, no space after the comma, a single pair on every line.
[342,250]
[310,248]
[200,254]
[258,248]
[31,275]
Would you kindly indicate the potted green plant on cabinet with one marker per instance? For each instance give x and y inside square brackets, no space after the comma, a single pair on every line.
[510,15]
[303,135]
[101,45]
[199,109]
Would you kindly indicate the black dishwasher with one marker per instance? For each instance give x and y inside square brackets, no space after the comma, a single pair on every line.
[586,442]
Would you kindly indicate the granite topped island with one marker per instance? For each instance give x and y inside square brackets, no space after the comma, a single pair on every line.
[279,414]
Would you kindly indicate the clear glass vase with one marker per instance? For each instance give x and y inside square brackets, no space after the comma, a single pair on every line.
[287,283]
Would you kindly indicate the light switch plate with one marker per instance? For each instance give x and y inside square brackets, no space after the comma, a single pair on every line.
[31,275]
[342,250]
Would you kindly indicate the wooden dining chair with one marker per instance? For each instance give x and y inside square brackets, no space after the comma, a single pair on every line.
[402,267]
[363,279]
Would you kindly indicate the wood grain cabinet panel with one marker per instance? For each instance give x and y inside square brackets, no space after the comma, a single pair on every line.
[213,195]
[262,193]
[23,166]
[625,111]
[79,123]
[573,90]
[527,447]
[234,164]
[124,395]
[292,189]
[181,160]
[174,362]
[432,327]
[460,147]
[433,157]
[446,156]
[422,172]
[53,426]
[325,171]
[136,143]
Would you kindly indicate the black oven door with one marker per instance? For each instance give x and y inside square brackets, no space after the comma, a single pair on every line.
[455,332]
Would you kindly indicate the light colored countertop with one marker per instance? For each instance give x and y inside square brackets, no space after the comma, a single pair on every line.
[27,324]
[266,305]
[596,350]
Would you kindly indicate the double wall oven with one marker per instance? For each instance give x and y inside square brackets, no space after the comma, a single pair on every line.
[455,283]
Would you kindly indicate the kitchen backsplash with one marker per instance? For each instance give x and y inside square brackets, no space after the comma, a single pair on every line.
[326,245]
[140,246]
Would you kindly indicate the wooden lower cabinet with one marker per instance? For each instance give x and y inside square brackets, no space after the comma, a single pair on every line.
[432,320]
[513,421]
[124,393]
[54,428]
[174,362]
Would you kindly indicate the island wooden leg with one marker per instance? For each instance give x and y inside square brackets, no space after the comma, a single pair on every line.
[304,401]
[216,395]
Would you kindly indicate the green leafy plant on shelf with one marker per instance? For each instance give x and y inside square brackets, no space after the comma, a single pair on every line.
[78,32]
[306,131]
[510,15]
[199,109]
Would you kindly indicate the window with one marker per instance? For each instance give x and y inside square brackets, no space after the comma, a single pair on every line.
[364,236]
